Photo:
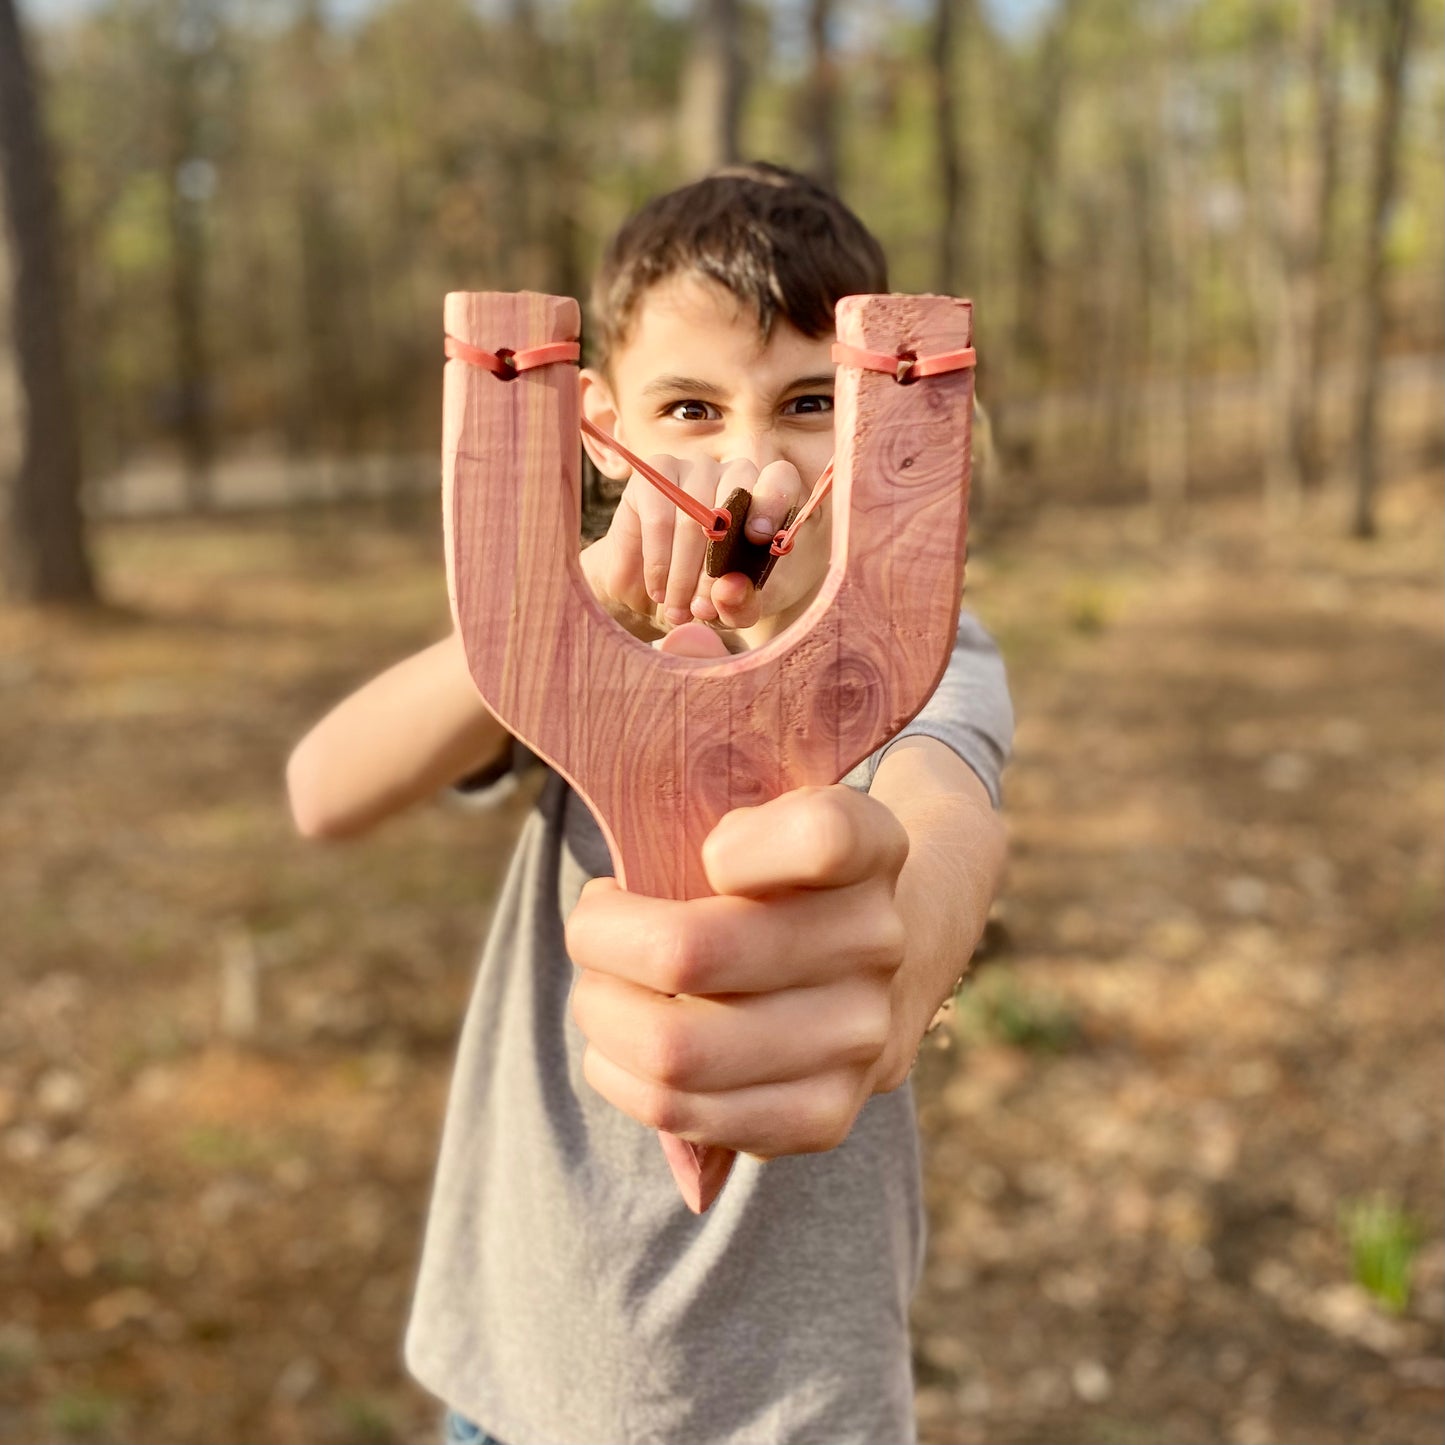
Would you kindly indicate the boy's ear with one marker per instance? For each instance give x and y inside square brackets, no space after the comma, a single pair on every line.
[601,410]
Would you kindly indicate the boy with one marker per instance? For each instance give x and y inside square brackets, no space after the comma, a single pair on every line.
[566,1294]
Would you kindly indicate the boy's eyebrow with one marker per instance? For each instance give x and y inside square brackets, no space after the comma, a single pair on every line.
[693,386]
[662,384]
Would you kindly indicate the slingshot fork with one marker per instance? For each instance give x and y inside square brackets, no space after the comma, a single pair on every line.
[661,747]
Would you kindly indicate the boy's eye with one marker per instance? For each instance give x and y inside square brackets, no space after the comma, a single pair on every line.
[813,405]
[696,411]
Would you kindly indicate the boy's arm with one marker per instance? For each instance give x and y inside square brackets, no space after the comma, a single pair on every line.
[957,848]
[413,730]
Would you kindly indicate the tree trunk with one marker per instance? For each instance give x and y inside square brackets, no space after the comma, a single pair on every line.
[952,180]
[822,94]
[1273,251]
[1024,367]
[714,86]
[191,354]
[546,156]
[1167,179]
[1395,20]
[43,556]
[1322,66]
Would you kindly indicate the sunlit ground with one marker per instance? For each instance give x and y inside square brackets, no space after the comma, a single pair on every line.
[1210,1026]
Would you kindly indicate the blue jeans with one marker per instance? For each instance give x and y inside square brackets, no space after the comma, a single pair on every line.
[461,1431]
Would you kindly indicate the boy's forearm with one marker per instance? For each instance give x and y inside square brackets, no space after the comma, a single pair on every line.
[412,730]
[956,855]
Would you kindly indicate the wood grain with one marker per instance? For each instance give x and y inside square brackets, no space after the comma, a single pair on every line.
[661,747]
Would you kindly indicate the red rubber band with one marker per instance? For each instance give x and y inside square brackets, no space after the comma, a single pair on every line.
[783,542]
[904,367]
[507,364]
[715,521]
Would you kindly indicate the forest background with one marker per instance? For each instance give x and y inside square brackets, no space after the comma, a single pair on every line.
[1184,1151]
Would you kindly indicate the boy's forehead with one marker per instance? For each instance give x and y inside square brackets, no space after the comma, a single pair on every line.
[686,322]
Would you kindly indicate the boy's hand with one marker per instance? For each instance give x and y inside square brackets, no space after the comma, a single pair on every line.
[763,1018]
[652,555]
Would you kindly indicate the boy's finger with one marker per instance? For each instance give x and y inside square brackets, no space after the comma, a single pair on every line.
[658,521]
[689,542]
[736,600]
[776,492]
[824,838]
[692,639]
[739,474]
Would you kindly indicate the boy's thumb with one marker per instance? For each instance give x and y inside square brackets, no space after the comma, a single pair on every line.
[692,639]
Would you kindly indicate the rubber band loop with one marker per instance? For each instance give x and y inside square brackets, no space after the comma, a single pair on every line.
[783,542]
[506,363]
[904,367]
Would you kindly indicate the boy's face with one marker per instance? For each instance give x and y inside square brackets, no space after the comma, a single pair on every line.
[694,380]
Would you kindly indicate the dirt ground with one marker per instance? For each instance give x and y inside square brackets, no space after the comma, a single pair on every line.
[1211,1016]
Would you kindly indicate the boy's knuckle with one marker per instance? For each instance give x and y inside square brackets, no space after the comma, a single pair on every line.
[681,954]
[740,472]
[780,479]
[870,1028]
[896,843]
[578,1004]
[574,936]
[662,1107]
[665,1053]
[832,1114]
[829,833]
[887,937]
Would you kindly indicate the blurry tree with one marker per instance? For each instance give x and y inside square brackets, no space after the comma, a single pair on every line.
[188,38]
[1275,256]
[820,122]
[1393,20]
[265,203]
[1042,105]
[1322,63]
[329,404]
[546,171]
[715,87]
[948,17]
[43,556]
[1165,201]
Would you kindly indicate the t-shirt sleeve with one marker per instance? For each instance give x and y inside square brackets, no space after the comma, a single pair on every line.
[486,787]
[970,711]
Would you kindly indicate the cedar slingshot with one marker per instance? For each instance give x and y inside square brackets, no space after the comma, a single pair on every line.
[661,747]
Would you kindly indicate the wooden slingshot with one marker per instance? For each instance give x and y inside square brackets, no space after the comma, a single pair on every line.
[661,747]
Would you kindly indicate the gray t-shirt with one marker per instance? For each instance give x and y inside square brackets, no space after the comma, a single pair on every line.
[567,1296]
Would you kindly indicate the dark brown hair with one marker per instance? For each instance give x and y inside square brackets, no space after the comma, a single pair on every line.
[779,241]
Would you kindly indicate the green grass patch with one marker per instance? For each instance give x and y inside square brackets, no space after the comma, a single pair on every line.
[84,1414]
[1383,1240]
[1422,909]
[215,1146]
[18,1349]
[365,1421]
[997,1008]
